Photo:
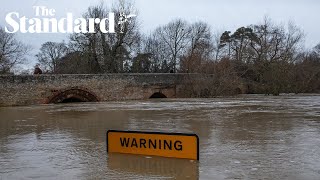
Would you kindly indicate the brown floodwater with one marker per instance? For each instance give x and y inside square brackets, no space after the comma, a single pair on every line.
[244,137]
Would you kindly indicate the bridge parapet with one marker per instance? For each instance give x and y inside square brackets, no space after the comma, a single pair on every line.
[41,89]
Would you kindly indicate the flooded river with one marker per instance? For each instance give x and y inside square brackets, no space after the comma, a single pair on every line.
[244,137]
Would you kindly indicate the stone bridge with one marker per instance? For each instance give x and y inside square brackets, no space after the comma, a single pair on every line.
[46,89]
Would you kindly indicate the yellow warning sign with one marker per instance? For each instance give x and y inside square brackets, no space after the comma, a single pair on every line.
[175,145]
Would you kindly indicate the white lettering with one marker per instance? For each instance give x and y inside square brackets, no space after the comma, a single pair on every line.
[12,22]
[53,25]
[47,23]
[23,28]
[111,23]
[81,26]
[35,25]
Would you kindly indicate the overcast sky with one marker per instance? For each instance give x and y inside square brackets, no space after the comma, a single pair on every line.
[220,14]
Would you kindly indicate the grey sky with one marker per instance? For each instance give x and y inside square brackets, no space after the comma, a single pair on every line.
[220,14]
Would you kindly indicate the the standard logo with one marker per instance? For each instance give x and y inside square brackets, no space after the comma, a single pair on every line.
[45,22]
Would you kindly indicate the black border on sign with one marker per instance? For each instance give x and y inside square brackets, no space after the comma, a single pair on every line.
[163,133]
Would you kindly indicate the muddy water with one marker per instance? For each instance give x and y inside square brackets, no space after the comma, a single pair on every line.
[246,137]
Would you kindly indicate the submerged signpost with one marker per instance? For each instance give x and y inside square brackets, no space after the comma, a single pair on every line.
[172,145]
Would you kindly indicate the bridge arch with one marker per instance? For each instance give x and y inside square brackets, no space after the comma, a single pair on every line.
[157,95]
[75,94]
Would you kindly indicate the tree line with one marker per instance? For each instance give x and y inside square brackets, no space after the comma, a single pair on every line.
[263,58]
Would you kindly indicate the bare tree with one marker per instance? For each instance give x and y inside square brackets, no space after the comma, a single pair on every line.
[275,48]
[12,51]
[50,53]
[199,49]
[216,46]
[158,51]
[307,72]
[109,51]
[179,46]
[264,53]
[73,63]
[316,50]
[174,37]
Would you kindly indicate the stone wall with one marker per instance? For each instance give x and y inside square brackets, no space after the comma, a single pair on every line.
[42,89]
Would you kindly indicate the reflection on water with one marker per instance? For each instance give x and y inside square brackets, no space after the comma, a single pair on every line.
[154,166]
[246,137]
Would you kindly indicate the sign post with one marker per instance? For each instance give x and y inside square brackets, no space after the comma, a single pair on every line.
[173,145]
